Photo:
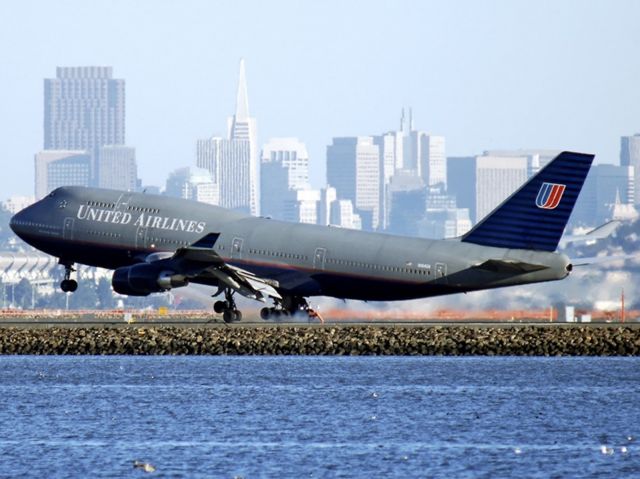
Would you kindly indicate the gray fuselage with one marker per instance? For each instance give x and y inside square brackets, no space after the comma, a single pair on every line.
[111,229]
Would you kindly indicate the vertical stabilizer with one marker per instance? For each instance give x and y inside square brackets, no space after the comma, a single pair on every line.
[534,217]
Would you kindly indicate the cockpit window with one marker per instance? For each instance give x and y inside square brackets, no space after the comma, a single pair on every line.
[52,194]
[62,204]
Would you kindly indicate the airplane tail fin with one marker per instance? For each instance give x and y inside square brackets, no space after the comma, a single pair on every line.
[534,217]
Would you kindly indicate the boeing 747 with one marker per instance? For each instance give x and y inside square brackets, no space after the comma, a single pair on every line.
[157,243]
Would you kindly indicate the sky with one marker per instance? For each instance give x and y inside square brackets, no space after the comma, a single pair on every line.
[487,75]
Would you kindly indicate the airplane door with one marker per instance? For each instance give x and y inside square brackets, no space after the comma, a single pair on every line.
[67,230]
[319,258]
[236,248]
[441,270]
[141,237]
[123,202]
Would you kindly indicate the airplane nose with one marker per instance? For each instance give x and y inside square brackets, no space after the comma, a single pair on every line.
[17,223]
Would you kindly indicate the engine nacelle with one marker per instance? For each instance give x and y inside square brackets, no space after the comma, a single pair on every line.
[144,278]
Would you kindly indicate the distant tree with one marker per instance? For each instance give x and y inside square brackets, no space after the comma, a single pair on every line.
[5,231]
[105,294]
[85,296]
[22,294]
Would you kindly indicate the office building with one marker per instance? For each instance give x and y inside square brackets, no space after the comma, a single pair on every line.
[84,109]
[630,156]
[304,206]
[430,157]
[284,170]
[344,215]
[17,203]
[481,183]
[445,223]
[536,158]
[407,203]
[353,169]
[233,162]
[55,168]
[118,170]
[193,184]
[605,186]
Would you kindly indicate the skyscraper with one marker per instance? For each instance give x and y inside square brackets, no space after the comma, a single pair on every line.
[605,186]
[192,184]
[84,116]
[630,156]
[431,158]
[233,162]
[353,169]
[55,168]
[118,170]
[84,109]
[482,182]
[284,170]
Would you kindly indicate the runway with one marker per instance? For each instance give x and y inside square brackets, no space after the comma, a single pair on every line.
[148,321]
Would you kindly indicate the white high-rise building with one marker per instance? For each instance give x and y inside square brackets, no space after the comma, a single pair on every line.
[630,156]
[17,203]
[431,158]
[497,178]
[353,169]
[328,196]
[537,158]
[442,224]
[118,170]
[482,182]
[242,127]
[193,184]
[343,215]
[233,162]
[284,170]
[306,207]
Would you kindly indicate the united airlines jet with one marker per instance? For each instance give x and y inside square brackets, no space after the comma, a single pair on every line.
[157,243]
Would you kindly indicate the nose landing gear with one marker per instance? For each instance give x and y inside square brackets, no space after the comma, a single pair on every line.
[68,285]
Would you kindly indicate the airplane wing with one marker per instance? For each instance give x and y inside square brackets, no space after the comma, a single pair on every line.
[201,260]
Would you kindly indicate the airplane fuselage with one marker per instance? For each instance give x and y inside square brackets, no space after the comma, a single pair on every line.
[112,229]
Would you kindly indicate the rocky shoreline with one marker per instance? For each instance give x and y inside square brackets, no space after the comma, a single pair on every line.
[328,340]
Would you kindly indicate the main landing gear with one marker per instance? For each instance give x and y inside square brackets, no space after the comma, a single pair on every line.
[290,306]
[68,285]
[228,307]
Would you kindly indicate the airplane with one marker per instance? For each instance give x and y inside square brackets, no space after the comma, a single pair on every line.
[157,243]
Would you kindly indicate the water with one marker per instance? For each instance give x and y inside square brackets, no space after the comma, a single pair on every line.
[319,417]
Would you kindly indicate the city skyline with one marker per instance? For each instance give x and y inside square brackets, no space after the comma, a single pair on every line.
[554,76]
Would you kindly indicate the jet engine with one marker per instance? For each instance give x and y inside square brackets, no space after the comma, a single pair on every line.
[144,278]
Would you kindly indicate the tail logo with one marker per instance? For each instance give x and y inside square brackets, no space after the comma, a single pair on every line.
[549,195]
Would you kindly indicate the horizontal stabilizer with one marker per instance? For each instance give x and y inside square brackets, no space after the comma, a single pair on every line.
[509,267]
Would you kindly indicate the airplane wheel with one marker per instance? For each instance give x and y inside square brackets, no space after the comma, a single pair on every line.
[73,285]
[238,315]
[265,313]
[64,285]
[228,316]
[219,306]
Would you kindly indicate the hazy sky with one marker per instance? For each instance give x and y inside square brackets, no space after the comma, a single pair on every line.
[490,74]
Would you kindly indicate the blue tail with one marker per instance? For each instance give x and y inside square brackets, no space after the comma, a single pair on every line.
[534,217]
